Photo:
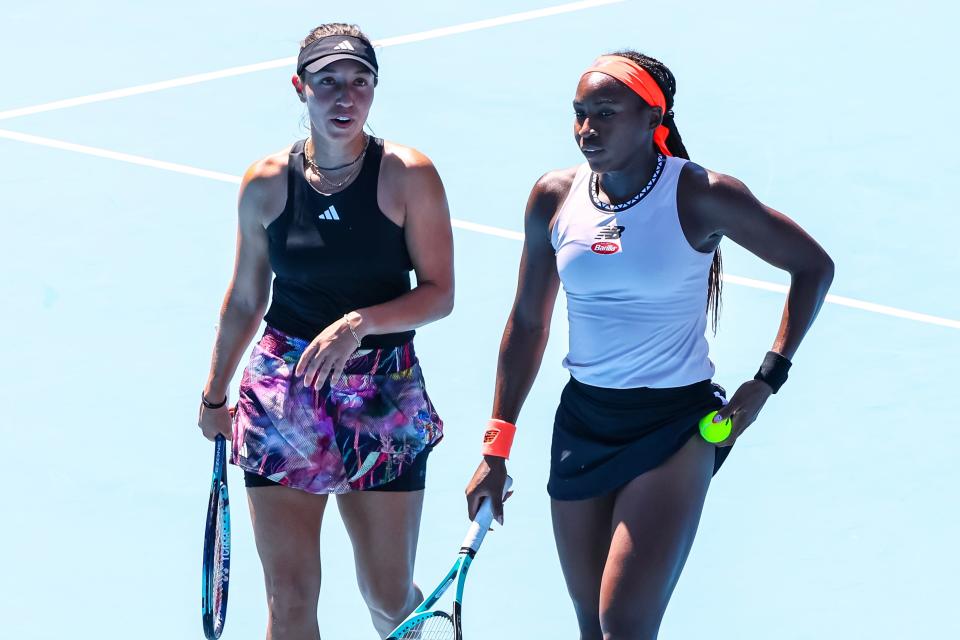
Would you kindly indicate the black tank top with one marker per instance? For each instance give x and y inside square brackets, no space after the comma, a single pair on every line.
[332,254]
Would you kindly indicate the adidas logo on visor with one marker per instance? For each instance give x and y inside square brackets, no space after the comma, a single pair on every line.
[344,46]
[329,214]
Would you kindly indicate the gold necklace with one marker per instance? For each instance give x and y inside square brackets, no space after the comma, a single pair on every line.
[319,171]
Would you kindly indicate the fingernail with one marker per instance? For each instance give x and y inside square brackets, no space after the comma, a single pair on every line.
[500,520]
[717,418]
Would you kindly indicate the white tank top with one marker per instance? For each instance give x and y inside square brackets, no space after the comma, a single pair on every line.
[636,290]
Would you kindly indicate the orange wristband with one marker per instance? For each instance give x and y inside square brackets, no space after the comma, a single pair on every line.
[498,438]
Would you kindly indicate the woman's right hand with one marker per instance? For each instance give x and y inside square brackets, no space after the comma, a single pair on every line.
[214,422]
[487,482]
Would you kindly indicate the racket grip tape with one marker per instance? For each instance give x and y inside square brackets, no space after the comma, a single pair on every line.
[483,520]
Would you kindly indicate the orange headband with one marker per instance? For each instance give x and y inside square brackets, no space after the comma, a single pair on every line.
[641,83]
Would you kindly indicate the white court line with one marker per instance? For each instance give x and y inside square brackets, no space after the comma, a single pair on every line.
[462,224]
[292,60]
[849,302]
[122,157]
[487,230]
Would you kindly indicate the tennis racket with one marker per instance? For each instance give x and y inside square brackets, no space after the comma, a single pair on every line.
[428,622]
[216,547]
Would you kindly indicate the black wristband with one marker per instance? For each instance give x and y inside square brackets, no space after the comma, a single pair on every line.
[774,370]
[212,405]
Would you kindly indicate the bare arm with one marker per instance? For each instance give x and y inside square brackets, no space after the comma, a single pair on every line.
[718,205]
[415,191]
[528,327]
[262,195]
[713,205]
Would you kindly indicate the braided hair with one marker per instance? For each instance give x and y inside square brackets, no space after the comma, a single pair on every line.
[668,84]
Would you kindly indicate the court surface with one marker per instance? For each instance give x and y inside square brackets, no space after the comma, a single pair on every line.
[836,515]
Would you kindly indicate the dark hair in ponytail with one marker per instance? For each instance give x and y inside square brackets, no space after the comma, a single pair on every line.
[668,84]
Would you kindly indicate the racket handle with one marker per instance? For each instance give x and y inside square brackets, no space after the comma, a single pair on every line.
[219,457]
[481,524]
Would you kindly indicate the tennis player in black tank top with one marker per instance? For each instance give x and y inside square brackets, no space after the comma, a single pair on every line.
[333,400]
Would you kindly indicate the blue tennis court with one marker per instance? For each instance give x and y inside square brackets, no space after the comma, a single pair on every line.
[125,128]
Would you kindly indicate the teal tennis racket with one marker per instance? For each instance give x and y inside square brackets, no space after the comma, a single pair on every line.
[430,622]
[216,547]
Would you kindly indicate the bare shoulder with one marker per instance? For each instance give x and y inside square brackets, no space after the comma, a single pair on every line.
[403,162]
[555,185]
[700,186]
[548,194]
[711,203]
[409,183]
[263,192]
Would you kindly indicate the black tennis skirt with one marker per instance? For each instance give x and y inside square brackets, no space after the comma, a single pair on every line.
[604,438]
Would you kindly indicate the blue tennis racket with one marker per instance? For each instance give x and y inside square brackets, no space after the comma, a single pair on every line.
[429,622]
[216,547]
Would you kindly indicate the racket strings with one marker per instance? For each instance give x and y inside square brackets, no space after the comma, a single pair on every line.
[218,569]
[438,626]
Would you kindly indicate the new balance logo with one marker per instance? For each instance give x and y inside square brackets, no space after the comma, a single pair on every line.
[610,233]
[344,46]
[329,214]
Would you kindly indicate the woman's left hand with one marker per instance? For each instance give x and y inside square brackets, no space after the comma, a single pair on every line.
[326,356]
[743,408]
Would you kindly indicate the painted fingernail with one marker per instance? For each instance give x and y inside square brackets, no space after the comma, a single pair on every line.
[717,418]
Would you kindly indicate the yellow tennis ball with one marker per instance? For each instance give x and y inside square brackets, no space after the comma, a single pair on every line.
[715,431]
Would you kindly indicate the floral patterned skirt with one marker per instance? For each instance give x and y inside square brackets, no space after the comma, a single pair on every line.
[359,432]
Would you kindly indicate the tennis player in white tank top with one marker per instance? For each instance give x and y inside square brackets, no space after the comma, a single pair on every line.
[633,236]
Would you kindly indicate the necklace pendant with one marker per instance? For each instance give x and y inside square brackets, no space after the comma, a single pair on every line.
[318,171]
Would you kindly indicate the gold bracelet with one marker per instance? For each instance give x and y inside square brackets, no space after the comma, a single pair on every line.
[350,326]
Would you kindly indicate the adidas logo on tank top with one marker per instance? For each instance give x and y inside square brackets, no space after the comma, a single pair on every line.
[329,214]
[344,46]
